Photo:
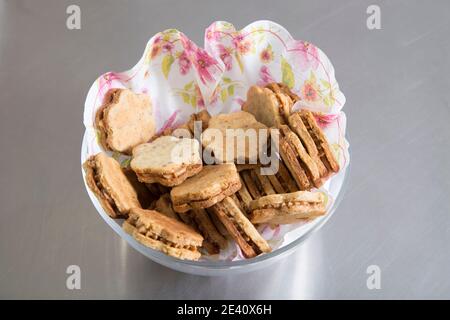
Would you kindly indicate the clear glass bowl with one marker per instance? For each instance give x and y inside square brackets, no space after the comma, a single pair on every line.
[215,268]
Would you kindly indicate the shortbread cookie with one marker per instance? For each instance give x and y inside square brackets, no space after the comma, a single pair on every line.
[287,208]
[203,190]
[244,197]
[105,178]
[125,120]
[145,196]
[167,160]
[290,159]
[264,105]
[322,145]
[240,228]
[306,162]
[296,125]
[164,234]
[208,230]
[235,137]
[270,105]
[286,98]
[164,206]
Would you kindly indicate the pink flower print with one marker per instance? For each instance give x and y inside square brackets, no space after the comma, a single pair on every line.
[265,77]
[184,63]
[157,39]
[266,55]
[188,45]
[170,122]
[156,50]
[241,45]
[202,62]
[324,120]
[307,55]
[310,91]
[225,56]
[168,47]
[212,35]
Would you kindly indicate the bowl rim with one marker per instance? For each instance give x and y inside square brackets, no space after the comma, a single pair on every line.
[218,265]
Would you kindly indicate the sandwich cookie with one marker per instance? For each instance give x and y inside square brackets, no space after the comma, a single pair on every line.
[240,228]
[164,234]
[145,196]
[307,164]
[287,208]
[167,160]
[235,137]
[125,120]
[271,105]
[105,178]
[211,185]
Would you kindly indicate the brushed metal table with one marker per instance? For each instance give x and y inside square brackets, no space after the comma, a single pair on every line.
[396,212]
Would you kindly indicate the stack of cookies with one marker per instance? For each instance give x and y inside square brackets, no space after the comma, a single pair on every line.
[177,202]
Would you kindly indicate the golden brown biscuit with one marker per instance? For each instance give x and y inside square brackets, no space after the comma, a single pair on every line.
[145,197]
[305,161]
[263,181]
[208,187]
[323,148]
[202,116]
[208,231]
[264,105]
[167,160]
[125,120]
[164,206]
[287,208]
[250,184]
[164,234]
[235,137]
[276,184]
[296,124]
[105,178]
[290,159]
[285,178]
[240,228]
[286,98]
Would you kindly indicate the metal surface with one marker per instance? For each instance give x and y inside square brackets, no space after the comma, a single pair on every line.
[395,214]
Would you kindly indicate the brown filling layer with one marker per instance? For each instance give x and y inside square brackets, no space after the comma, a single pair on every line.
[142,230]
[224,191]
[300,160]
[317,142]
[104,192]
[206,234]
[288,204]
[243,234]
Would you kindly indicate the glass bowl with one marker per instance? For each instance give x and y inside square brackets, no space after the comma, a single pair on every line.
[292,241]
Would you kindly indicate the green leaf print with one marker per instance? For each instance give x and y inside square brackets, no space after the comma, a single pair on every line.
[223,95]
[185,97]
[231,90]
[188,86]
[166,64]
[326,84]
[287,74]
[193,101]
